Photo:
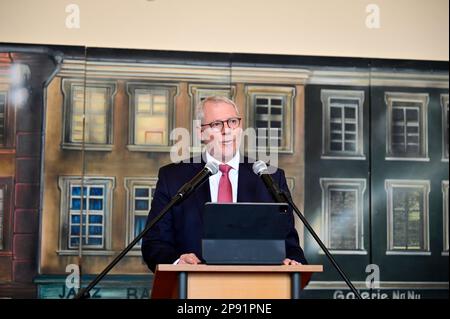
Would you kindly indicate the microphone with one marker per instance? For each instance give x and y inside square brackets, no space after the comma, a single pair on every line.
[211,168]
[260,169]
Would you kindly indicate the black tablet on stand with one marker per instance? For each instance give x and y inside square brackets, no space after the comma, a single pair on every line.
[245,233]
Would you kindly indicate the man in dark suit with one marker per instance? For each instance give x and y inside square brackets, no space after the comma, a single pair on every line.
[176,238]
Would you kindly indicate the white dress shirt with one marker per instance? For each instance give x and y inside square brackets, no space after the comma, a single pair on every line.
[232,175]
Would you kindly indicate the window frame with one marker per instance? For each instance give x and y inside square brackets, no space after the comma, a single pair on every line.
[67,90]
[423,99]
[445,217]
[172,92]
[65,183]
[130,183]
[445,133]
[6,184]
[326,96]
[9,130]
[354,184]
[288,94]
[390,184]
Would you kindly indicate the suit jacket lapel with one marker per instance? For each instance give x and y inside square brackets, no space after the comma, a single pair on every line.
[202,194]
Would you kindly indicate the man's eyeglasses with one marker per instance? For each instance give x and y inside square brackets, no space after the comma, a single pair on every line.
[233,122]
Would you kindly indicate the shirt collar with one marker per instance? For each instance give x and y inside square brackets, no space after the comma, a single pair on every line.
[234,162]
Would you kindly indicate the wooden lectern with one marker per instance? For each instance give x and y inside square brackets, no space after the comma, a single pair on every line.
[235,282]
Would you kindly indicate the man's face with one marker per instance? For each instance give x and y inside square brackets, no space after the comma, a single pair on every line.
[222,143]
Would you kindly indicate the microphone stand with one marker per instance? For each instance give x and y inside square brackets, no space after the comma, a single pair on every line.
[84,293]
[287,198]
[184,191]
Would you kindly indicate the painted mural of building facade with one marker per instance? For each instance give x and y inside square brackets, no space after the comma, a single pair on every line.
[365,151]
[130,110]
[22,76]
[377,183]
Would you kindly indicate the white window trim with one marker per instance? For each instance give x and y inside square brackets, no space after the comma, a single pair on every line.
[358,185]
[64,184]
[445,213]
[326,96]
[130,183]
[287,94]
[444,103]
[173,91]
[67,89]
[389,185]
[422,98]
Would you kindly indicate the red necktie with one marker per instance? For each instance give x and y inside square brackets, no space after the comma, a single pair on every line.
[225,194]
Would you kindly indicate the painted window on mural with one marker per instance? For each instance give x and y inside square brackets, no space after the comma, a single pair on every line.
[408,215]
[342,213]
[94,103]
[151,112]
[151,117]
[445,127]
[91,221]
[407,122]
[270,113]
[96,126]
[86,213]
[140,195]
[342,123]
[445,214]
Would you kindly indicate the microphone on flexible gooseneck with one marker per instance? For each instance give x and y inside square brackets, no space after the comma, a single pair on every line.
[210,168]
[282,196]
[260,169]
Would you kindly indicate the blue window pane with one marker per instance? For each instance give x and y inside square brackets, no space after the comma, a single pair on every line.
[95,219]
[95,230]
[75,219]
[96,204]
[95,241]
[96,191]
[76,204]
[75,230]
[153,192]
[139,225]
[74,241]
[76,191]
[141,204]
[141,192]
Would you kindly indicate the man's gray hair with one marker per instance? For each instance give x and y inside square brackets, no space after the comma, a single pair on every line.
[199,109]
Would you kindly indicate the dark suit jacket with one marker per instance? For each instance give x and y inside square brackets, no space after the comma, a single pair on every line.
[179,231]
